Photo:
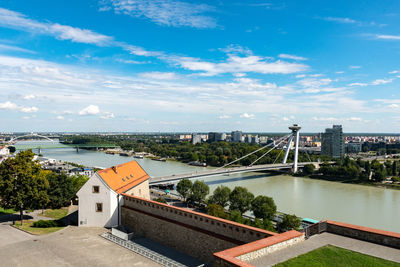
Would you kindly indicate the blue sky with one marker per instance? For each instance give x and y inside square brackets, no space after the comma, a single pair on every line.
[198,66]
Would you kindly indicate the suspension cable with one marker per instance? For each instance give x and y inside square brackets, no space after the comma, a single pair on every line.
[278,156]
[267,152]
[255,151]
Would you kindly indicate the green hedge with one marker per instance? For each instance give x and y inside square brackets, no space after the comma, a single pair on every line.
[47,223]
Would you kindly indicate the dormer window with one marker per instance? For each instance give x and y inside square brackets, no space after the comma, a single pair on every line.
[96,189]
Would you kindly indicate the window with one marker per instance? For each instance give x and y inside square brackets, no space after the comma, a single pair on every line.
[140,192]
[99,207]
[96,189]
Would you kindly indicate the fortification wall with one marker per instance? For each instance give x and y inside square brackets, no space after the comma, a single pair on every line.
[380,237]
[193,233]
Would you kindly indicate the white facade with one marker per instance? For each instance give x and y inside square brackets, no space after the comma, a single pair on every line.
[4,151]
[88,199]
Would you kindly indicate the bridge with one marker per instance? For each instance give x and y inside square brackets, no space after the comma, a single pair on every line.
[293,136]
[226,171]
[54,144]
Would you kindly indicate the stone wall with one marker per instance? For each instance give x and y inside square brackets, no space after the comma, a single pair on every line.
[241,255]
[380,237]
[196,234]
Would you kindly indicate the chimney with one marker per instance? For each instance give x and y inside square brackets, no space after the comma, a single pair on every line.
[114,169]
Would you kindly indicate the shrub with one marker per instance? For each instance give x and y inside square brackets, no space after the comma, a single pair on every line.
[46,224]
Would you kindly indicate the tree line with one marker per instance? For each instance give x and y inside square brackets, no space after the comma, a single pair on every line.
[25,186]
[213,154]
[356,170]
[233,204]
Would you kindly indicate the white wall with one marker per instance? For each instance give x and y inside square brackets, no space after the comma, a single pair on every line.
[87,215]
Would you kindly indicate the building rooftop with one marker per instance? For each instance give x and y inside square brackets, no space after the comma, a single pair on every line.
[123,177]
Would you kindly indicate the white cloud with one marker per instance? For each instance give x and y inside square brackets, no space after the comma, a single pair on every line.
[387,37]
[393,106]
[159,75]
[341,20]
[4,47]
[238,64]
[381,81]
[166,12]
[358,84]
[339,72]
[15,20]
[29,109]
[247,116]
[90,110]
[29,97]
[9,106]
[224,117]
[287,56]
[394,72]
[354,67]
[59,117]
[12,106]
[107,115]
[376,82]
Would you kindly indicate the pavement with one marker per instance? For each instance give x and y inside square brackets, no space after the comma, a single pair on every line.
[72,246]
[317,241]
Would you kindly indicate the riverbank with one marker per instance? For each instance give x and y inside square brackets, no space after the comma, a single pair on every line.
[395,186]
[369,206]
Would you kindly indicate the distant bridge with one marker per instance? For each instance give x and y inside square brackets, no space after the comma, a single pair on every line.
[57,145]
[226,171]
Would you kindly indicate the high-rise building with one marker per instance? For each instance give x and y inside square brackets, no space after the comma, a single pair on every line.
[333,142]
[196,138]
[213,137]
[236,136]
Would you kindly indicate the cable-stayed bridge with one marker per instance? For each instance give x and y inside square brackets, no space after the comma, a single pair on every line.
[224,170]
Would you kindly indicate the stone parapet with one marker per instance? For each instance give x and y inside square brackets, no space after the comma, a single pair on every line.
[240,255]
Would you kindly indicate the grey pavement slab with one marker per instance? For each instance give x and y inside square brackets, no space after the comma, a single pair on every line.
[323,239]
[72,246]
[9,235]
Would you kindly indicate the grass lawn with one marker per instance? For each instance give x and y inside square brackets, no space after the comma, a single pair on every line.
[55,214]
[334,256]
[27,226]
[8,211]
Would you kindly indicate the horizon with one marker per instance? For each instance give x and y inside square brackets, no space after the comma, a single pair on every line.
[199,66]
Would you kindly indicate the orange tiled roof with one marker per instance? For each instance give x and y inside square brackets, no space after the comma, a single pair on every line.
[123,177]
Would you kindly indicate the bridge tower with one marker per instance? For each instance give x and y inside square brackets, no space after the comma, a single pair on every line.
[295,134]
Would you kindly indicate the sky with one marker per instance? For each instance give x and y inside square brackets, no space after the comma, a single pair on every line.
[199,66]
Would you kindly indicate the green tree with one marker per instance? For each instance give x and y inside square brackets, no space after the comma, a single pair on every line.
[221,196]
[308,169]
[289,222]
[61,190]
[236,216]
[199,191]
[183,187]
[240,199]
[395,168]
[22,184]
[263,207]
[216,210]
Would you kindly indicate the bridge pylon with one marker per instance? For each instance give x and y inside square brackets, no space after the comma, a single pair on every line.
[296,135]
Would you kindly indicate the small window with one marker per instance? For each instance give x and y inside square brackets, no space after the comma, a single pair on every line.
[127,177]
[131,176]
[99,207]
[96,189]
[140,191]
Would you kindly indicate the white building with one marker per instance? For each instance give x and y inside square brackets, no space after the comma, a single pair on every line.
[100,197]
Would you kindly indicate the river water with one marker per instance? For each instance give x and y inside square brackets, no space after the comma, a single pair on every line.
[355,204]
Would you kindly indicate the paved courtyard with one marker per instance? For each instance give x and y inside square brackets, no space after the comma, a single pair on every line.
[71,246]
[323,239]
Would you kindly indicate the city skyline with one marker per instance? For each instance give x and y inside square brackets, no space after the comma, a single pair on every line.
[186,66]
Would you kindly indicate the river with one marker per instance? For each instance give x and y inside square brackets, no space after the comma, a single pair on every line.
[355,204]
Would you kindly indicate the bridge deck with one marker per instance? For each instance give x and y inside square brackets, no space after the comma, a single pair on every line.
[264,167]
